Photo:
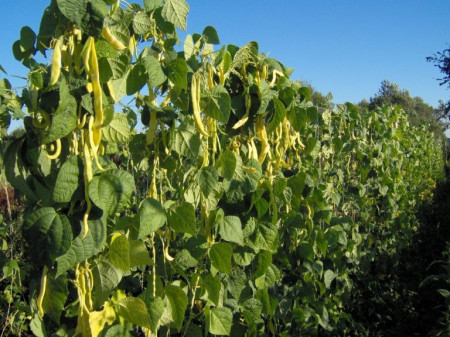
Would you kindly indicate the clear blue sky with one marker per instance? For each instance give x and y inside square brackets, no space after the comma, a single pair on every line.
[346,47]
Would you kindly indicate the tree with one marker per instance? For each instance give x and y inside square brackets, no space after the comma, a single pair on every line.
[442,61]
[418,111]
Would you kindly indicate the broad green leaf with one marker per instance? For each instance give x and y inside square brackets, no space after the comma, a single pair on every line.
[228,163]
[207,179]
[211,35]
[212,285]
[230,229]
[64,119]
[175,11]
[111,190]
[278,116]
[264,237]
[155,307]
[243,256]
[117,330]
[189,47]
[106,279]
[142,23]
[186,141]
[328,277]
[181,217]
[139,255]
[49,232]
[133,309]
[220,255]
[68,180]
[263,261]
[152,216]
[119,67]
[73,10]
[218,320]
[136,79]
[236,283]
[216,103]
[55,296]
[150,5]
[178,303]
[185,260]
[27,38]
[37,326]
[118,130]
[176,71]
[155,73]
[83,248]
[119,252]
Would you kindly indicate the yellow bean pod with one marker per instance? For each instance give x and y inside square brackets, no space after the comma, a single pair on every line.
[112,40]
[57,150]
[195,95]
[56,63]
[40,298]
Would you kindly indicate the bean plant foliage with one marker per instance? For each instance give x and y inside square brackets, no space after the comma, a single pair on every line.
[237,208]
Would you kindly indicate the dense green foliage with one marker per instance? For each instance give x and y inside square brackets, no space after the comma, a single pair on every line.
[241,209]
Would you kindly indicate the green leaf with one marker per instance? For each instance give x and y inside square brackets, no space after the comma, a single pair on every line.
[155,307]
[186,141]
[236,283]
[49,232]
[278,116]
[118,130]
[219,320]
[133,309]
[211,35]
[263,261]
[119,252]
[150,5]
[56,293]
[188,47]
[68,180]
[64,120]
[27,38]
[217,104]
[328,277]
[228,162]
[73,10]
[212,285]
[106,279]
[178,303]
[175,11]
[207,179]
[230,229]
[83,248]
[264,237]
[142,23]
[136,79]
[176,71]
[220,255]
[181,217]
[111,190]
[152,216]
[185,260]
[155,73]
[139,255]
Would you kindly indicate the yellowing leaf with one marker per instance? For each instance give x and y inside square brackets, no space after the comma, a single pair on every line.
[98,319]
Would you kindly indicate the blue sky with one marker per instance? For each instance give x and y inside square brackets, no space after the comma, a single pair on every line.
[346,47]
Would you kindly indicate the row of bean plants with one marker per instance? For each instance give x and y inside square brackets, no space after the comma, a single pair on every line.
[219,201]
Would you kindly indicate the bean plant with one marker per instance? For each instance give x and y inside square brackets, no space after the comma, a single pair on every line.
[193,189]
